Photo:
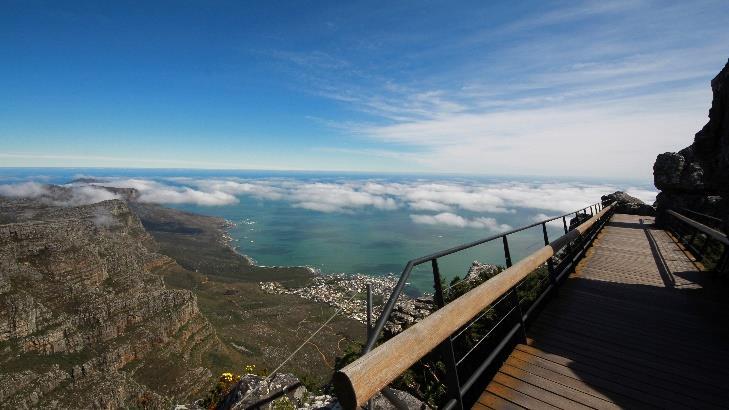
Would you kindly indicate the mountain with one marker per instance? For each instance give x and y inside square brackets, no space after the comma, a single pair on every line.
[115,303]
[83,322]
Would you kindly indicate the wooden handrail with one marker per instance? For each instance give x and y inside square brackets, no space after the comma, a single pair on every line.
[360,380]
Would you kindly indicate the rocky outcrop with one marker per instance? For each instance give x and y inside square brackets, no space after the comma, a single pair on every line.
[252,388]
[626,204]
[82,320]
[697,177]
[406,313]
[479,272]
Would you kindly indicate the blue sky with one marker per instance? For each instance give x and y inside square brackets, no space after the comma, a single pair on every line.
[533,88]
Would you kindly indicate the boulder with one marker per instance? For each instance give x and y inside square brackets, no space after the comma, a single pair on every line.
[626,204]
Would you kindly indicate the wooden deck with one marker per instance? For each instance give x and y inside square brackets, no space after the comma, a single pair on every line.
[637,326]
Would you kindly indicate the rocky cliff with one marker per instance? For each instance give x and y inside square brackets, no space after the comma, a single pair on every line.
[83,322]
[697,177]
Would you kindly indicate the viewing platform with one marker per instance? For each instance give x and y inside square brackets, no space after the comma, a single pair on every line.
[638,325]
[616,313]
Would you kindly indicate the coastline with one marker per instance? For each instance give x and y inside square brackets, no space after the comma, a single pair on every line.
[228,241]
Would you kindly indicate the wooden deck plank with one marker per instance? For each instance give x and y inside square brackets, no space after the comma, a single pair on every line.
[645,345]
[663,364]
[575,395]
[636,377]
[633,327]
[618,388]
[489,400]
[629,387]
[517,396]
[617,328]
[548,396]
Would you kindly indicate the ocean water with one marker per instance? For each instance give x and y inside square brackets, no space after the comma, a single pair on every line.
[358,223]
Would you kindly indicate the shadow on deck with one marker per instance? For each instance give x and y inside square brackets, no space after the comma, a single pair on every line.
[638,325]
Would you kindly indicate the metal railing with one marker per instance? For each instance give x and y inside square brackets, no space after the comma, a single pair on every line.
[708,220]
[709,245]
[462,372]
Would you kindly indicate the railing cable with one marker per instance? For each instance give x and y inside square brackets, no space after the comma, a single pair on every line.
[312,335]
[285,389]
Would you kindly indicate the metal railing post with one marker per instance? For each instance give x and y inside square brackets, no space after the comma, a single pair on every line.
[369,327]
[722,267]
[446,348]
[517,306]
[438,297]
[507,254]
[569,244]
[369,310]
[550,264]
[702,251]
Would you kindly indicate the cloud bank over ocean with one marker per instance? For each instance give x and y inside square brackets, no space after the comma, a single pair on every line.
[457,203]
[79,195]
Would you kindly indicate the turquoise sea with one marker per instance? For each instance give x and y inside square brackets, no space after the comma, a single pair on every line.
[358,223]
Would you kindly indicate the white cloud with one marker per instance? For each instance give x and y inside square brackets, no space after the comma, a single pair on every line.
[611,137]
[189,196]
[257,190]
[328,197]
[156,192]
[615,85]
[74,196]
[426,205]
[86,195]
[445,197]
[556,223]
[24,190]
[450,219]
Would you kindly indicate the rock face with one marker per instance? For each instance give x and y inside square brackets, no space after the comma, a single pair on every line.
[626,204]
[82,320]
[697,177]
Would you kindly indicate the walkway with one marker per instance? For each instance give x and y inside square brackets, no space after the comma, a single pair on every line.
[637,326]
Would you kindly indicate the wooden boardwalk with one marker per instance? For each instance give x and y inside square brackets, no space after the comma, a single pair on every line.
[637,326]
